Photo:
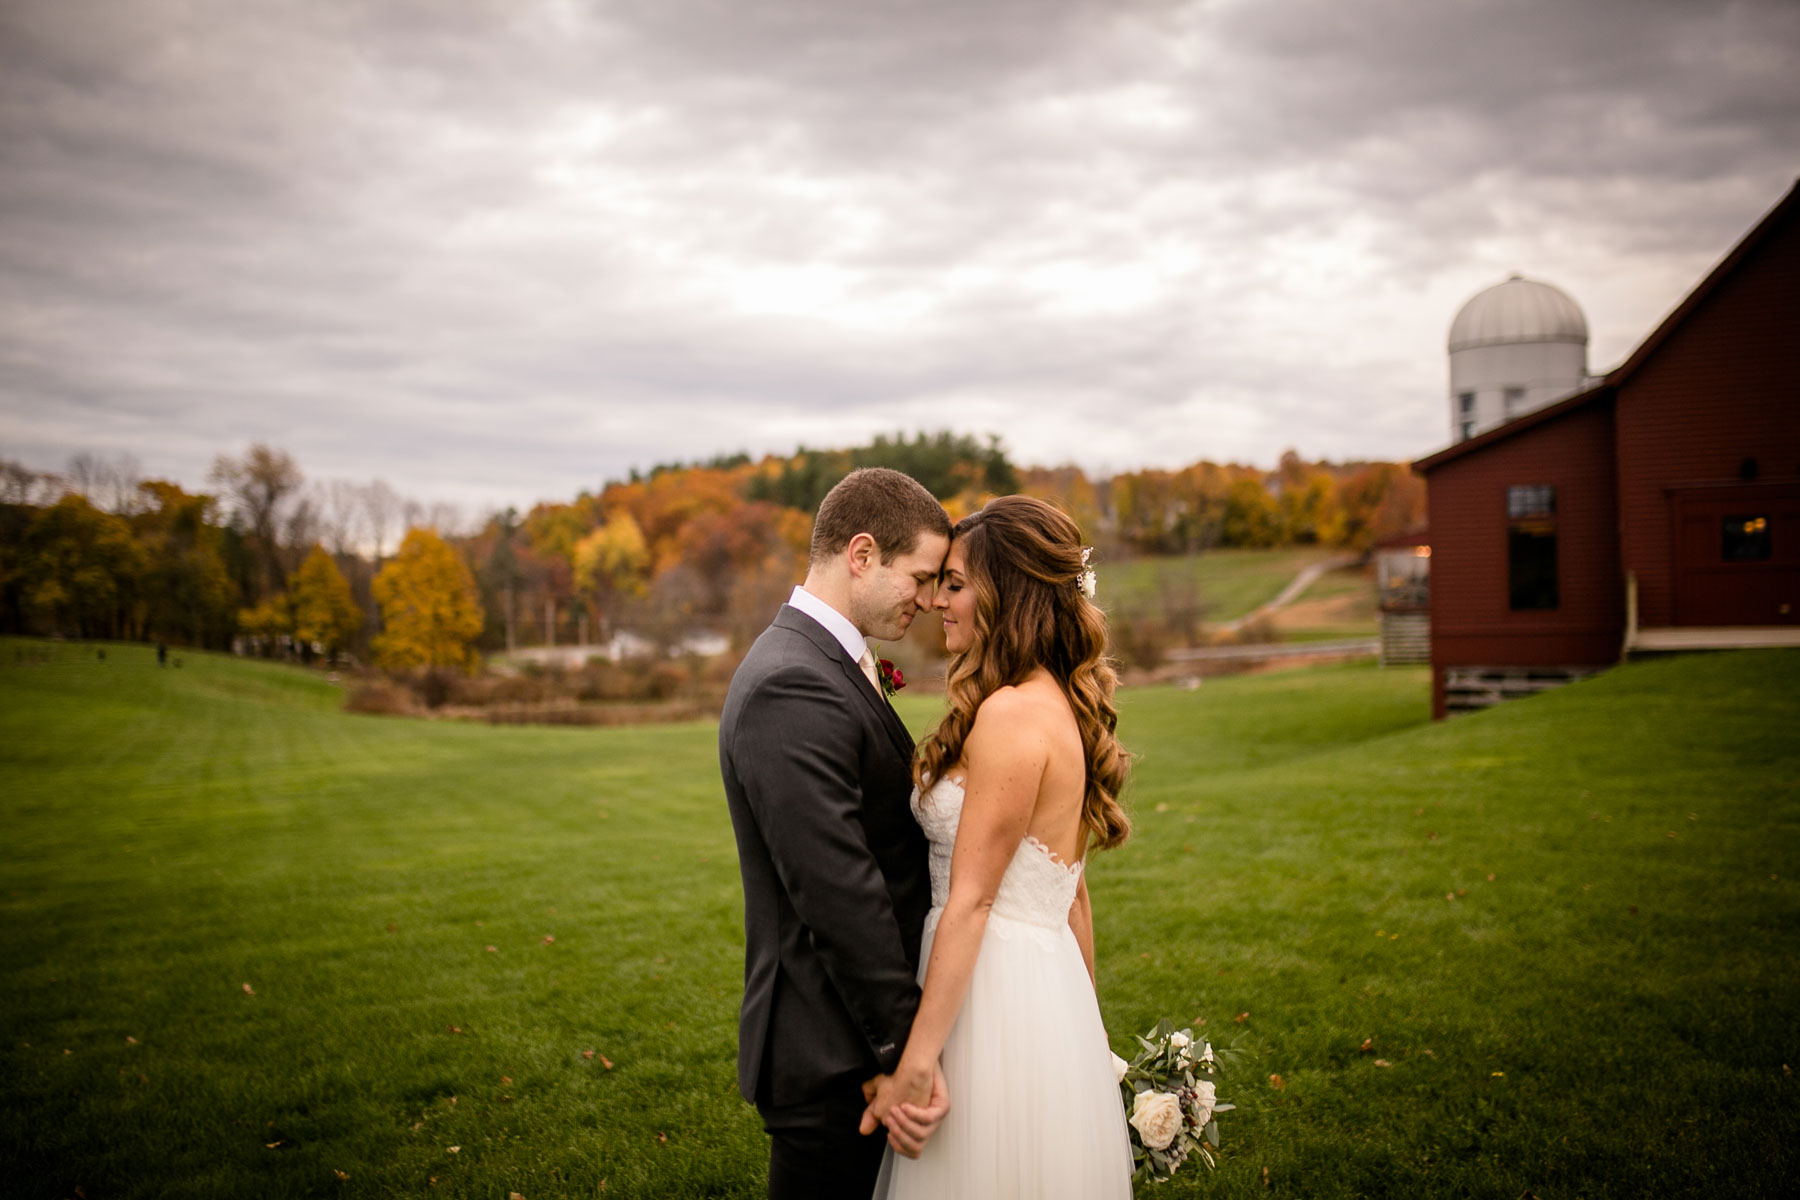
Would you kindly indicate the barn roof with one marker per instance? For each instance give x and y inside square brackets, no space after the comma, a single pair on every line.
[1645,351]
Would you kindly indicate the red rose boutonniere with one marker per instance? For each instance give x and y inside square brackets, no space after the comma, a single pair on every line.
[892,680]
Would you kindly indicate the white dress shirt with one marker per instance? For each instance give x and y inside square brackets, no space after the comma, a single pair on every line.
[835,622]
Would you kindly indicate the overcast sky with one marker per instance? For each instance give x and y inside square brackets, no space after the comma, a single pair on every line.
[501,250]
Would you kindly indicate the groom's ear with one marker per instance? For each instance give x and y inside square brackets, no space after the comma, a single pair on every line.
[862,553]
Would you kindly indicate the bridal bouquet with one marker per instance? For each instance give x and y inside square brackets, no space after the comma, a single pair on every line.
[1170,1101]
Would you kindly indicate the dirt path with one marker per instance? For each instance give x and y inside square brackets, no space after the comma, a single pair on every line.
[1293,591]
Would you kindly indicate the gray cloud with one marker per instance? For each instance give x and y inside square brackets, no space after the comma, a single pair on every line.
[500,251]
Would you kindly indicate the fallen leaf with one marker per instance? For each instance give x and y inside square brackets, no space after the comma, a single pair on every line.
[454,1149]
[1490,877]
[248,990]
[1368,1045]
[514,1196]
[1449,895]
[1498,1075]
[417,1125]
[339,1174]
[548,938]
[274,1145]
[454,1028]
[1265,1178]
[130,1041]
[452,1101]
[1277,1082]
[1241,1017]
[506,1099]
[1432,836]
[506,1079]
[662,1139]
[431,1179]
[606,1062]
[1382,1062]
[492,949]
[587,1054]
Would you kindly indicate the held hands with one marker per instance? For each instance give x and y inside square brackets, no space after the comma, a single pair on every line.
[912,1103]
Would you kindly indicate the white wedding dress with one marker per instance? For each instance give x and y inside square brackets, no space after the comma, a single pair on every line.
[1035,1111]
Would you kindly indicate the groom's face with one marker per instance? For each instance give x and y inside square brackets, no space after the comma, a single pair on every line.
[887,596]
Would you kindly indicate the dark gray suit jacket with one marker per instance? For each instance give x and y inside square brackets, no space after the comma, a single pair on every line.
[817,770]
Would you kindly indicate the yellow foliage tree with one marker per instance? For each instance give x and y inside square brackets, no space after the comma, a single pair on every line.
[613,558]
[325,610]
[429,606]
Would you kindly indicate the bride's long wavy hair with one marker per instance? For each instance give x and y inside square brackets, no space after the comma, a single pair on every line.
[1023,557]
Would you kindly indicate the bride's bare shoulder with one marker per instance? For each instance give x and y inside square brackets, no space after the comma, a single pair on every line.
[1035,706]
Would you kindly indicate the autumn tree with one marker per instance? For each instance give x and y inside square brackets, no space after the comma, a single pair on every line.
[430,609]
[325,610]
[259,484]
[80,569]
[187,589]
[611,561]
[1251,517]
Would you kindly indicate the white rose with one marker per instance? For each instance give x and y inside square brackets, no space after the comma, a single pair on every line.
[1120,1066]
[1205,1096]
[1179,1040]
[1157,1118]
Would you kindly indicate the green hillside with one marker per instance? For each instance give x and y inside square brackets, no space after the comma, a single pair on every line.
[1566,927]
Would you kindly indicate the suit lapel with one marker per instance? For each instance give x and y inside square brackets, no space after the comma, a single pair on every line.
[792,618]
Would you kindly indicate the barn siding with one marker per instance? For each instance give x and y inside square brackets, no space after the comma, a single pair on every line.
[1723,387]
[1471,621]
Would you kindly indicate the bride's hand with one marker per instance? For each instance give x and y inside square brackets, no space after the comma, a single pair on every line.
[909,1084]
[910,1126]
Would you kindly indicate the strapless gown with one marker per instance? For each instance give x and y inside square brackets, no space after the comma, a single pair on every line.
[1035,1111]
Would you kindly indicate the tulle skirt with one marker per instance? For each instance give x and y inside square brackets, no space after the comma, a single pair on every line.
[1035,1111]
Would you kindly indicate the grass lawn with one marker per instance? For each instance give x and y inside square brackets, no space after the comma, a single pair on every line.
[1567,928]
[1230,583]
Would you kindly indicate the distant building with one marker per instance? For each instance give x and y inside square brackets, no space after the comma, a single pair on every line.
[1659,509]
[1514,348]
[1403,598]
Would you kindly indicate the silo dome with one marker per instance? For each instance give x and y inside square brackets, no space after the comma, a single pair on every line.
[1514,348]
[1519,310]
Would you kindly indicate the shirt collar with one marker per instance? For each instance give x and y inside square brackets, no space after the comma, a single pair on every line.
[835,622]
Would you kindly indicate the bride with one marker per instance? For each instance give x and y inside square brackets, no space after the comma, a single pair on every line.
[1019,779]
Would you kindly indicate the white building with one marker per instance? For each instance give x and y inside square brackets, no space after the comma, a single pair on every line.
[1515,347]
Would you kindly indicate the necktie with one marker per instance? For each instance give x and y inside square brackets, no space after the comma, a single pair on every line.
[867,663]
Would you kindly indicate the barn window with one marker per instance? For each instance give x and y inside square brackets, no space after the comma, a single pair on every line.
[1531,547]
[1746,539]
[1515,400]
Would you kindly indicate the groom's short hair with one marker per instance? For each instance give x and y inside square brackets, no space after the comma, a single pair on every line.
[890,507]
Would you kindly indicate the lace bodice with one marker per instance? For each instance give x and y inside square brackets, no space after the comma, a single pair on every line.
[1037,888]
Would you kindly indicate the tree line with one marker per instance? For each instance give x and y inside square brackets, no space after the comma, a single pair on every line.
[266,562]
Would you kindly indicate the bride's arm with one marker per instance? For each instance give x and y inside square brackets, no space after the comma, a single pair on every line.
[1004,755]
[1081,921]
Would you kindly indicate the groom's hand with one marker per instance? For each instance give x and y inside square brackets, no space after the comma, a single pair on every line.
[910,1126]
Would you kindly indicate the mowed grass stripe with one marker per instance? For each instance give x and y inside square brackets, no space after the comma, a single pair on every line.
[175,834]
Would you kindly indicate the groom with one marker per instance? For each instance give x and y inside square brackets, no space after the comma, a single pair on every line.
[817,770]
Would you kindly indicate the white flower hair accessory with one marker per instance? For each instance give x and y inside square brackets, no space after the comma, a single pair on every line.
[1086,580]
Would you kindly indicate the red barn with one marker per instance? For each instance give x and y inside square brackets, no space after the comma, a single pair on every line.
[1659,509]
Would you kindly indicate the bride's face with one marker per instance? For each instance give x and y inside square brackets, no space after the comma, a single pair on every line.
[955,599]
